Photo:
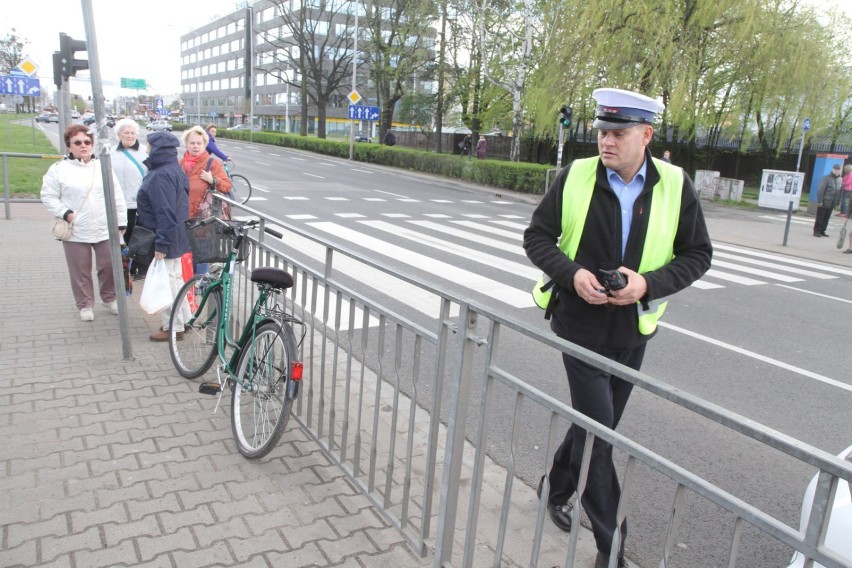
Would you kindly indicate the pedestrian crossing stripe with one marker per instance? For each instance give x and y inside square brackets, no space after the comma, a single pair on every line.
[476,246]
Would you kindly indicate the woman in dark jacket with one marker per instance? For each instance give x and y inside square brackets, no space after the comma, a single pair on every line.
[162,205]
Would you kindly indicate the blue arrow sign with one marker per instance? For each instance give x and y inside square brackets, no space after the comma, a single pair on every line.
[359,112]
[19,85]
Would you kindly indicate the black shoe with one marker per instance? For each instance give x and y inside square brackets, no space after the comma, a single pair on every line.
[824,234]
[602,561]
[559,514]
[139,276]
[817,235]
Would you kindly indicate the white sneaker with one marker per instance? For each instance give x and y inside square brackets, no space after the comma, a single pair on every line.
[86,314]
[112,307]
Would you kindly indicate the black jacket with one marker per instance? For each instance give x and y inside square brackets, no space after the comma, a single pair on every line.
[162,203]
[608,328]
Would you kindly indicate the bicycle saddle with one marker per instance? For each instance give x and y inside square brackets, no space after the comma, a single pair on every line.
[274,277]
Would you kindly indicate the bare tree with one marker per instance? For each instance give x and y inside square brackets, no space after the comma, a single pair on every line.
[316,40]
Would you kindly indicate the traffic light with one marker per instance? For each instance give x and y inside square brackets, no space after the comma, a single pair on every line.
[565,116]
[67,48]
[57,69]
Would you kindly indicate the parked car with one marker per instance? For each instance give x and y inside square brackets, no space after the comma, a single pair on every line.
[245,126]
[840,523]
[75,113]
[89,120]
[159,126]
[362,138]
[48,117]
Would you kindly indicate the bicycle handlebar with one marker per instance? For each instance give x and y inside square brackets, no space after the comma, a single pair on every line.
[236,226]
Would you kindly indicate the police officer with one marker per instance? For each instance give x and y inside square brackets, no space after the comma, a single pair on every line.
[624,211]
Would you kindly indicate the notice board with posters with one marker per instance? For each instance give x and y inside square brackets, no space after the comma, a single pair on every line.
[778,188]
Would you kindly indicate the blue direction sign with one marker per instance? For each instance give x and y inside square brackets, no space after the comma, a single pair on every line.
[359,112]
[19,85]
[806,125]
[159,107]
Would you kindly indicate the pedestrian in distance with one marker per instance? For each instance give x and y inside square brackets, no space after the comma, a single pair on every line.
[667,157]
[163,207]
[846,197]
[466,146]
[128,166]
[481,148]
[640,219]
[212,148]
[828,197]
[73,190]
[390,138]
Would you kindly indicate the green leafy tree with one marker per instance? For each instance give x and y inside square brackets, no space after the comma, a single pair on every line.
[399,46]
[11,51]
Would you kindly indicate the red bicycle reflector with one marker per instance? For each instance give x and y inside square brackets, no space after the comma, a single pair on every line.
[296,373]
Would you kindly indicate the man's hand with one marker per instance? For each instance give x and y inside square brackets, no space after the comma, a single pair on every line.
[588,287]
[636,288]
[159,255]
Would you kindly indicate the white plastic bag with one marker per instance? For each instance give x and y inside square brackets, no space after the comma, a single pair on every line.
[157,291]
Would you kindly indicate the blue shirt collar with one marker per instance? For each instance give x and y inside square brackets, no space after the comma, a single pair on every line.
[639,177]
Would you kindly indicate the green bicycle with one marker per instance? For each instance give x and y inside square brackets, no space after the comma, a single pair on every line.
[263,371]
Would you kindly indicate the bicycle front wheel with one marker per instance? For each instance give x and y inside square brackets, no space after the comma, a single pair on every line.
[260,407]
[240,188]
[194,350]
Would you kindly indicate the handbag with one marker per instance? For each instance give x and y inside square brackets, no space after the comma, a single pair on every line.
[62,229]
[141,245]
[211,207]
[842,234]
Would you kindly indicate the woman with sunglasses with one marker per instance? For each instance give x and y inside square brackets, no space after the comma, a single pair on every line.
[73,189]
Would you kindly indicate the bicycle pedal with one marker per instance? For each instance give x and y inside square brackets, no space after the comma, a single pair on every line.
[210,388]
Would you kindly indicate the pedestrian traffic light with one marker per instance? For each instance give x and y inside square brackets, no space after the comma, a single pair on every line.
[67,48]
[565,118]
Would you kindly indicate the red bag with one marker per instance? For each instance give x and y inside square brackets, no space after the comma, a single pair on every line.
[187,273]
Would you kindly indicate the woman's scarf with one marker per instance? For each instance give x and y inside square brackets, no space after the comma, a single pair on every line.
[189,162]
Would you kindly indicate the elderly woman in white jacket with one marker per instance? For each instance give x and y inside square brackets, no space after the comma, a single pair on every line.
[73,189]
[128,165]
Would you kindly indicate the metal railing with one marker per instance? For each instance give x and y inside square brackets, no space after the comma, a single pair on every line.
[400,404]
[6,188]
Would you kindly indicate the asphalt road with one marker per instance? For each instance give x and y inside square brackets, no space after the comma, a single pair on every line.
[761,335]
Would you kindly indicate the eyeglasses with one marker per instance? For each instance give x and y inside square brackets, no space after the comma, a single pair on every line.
[85,142]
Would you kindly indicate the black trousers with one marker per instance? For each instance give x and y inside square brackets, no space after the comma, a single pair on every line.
[823,214]
[601,397]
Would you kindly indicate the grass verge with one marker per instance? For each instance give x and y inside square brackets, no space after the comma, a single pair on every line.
[19,135]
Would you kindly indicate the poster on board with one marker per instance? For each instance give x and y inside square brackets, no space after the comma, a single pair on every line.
[778,188]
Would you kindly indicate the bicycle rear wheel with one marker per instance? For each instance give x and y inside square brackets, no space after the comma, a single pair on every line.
[193,352]
[260,407]
[240,188]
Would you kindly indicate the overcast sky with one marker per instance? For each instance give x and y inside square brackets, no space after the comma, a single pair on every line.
[139,40]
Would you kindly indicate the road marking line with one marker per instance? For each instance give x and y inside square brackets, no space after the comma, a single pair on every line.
[781,258]
[262,164]
[349,215]
[759,357]
[754,271]
[473,237]
[375,199]
[790,269]
[511,267]
[389,193]
[486,286]
[733,278]
[336,198]
[264,190]
[312,175]
[816,293]
[294,198]
[299,217]
[362,171]
[515,235]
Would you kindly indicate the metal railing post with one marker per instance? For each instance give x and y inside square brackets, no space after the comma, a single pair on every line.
[454,454]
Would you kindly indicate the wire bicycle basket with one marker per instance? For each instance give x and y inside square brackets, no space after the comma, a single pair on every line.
[213,242]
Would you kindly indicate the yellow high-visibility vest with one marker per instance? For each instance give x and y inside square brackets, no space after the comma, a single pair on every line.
[658,249]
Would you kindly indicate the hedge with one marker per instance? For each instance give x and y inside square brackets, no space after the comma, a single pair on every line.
[515,176]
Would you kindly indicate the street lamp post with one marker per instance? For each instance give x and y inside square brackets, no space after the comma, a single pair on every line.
[354,66]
